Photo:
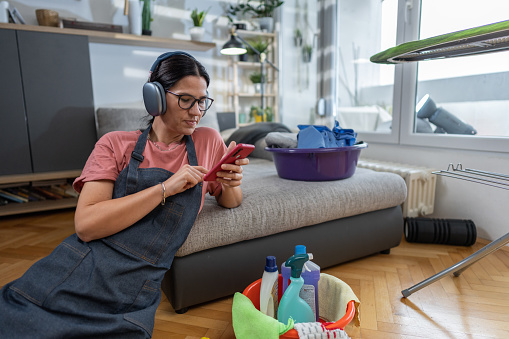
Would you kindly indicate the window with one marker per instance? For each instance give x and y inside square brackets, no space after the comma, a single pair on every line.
[365,90]
[469,94]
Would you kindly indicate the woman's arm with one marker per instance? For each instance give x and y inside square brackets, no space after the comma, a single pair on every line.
[98,215]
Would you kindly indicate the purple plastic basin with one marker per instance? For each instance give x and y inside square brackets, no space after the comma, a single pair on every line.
[316,164]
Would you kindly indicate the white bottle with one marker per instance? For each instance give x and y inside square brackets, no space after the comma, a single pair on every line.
[269,287]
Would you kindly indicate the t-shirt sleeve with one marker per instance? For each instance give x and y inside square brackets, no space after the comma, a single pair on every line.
[102,164]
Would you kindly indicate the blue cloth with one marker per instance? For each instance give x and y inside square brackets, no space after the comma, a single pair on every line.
[111,287]
[317,136]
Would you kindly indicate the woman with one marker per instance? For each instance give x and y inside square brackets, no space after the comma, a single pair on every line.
[140,194]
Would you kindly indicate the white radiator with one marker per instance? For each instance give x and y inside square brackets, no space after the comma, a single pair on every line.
[420,183]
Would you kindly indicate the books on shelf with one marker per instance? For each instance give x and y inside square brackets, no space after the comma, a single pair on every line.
[34,192]
[12,197]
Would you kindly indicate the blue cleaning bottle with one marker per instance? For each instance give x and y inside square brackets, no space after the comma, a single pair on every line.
[291,305]
[311,275]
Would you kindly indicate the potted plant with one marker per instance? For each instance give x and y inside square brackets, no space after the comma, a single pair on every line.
[307,52]
[256,79]
[297,37]
[269,114]
[263,12]
[256,114]
[236,12]
[260,44]
[146,18]
[197,30]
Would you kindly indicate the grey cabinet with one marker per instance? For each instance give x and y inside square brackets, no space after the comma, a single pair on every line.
[14,145]
[46,102]
[46,114]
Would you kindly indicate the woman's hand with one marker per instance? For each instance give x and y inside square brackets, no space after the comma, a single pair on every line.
[231,174]
[185,178]
[230,178]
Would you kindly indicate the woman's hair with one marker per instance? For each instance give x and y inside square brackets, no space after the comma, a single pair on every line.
[171,70]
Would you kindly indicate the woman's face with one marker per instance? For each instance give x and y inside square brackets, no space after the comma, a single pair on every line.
[183,121]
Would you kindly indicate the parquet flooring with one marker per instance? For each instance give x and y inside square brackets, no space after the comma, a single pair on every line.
[474,305]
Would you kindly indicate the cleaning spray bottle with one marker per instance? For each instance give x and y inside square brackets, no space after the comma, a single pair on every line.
[291,305]
[311,275]
[269,288]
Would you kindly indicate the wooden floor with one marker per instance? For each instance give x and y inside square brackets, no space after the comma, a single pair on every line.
[474,305]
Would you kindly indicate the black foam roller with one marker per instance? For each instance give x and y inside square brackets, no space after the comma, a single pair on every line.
[456,232]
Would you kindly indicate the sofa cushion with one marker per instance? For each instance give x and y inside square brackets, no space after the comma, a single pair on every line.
[119,119]
[272,205]
[131,119]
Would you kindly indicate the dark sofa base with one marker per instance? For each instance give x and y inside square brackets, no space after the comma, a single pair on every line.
[219,272]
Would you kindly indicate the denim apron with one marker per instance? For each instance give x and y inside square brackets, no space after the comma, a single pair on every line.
[107,288]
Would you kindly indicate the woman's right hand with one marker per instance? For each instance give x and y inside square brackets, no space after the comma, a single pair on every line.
[186,177]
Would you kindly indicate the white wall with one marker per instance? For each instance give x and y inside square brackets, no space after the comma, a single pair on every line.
[119,72]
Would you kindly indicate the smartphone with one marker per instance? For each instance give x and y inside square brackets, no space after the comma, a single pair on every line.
[240,151]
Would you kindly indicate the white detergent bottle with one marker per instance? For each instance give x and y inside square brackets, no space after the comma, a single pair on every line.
[311,276]
[269,287]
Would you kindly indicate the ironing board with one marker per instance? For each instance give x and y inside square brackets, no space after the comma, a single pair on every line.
[477,40]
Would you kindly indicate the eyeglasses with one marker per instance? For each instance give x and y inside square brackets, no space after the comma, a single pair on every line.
[187,101]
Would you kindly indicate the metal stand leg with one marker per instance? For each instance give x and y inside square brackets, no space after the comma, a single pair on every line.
[458,268]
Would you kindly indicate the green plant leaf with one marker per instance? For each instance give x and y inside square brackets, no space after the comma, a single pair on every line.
[198,17]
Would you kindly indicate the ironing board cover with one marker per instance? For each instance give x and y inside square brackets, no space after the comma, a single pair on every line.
[477,40]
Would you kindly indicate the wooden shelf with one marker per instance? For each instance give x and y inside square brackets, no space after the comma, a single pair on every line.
[119,38]
[30,177]
[255,95]
[251,64]
[255,34]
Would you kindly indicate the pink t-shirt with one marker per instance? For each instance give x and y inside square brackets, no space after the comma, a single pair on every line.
[113,151]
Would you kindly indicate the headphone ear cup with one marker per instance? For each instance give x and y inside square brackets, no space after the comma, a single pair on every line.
[154,98]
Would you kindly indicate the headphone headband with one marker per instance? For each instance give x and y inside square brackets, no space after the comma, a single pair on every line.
[168,55]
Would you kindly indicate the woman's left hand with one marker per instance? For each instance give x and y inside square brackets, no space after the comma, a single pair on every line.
[231,174]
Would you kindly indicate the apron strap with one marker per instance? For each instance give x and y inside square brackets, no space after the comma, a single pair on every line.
[191,151]
[136,159]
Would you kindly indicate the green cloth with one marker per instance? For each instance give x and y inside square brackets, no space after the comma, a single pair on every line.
[249,323]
